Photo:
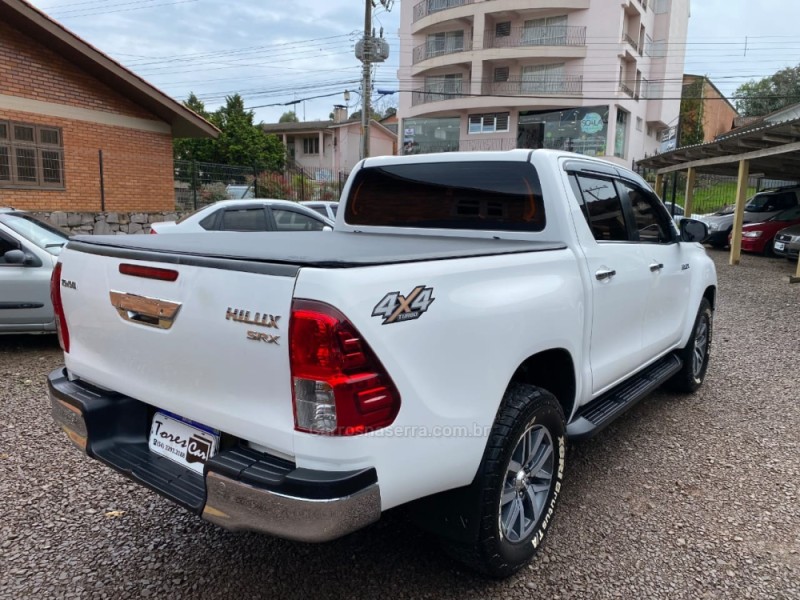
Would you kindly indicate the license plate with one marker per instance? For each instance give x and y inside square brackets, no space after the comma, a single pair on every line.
[188,444]
[779,246]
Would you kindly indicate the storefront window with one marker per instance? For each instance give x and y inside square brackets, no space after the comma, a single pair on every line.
[421,136]
[582,130]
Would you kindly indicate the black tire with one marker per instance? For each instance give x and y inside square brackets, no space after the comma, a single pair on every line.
[692,374]
[526,410]
[768,248]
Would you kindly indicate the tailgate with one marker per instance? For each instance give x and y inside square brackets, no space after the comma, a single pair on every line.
[216,361]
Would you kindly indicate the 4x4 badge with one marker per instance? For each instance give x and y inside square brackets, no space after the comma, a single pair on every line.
[394,307]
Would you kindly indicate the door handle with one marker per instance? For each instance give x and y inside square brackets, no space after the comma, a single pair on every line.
[604,274]
[656,267]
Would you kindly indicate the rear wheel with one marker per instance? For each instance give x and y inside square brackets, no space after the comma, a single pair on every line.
[696,353]
[519,481]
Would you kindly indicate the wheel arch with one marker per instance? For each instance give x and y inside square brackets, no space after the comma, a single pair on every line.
[710,294]
[554,371]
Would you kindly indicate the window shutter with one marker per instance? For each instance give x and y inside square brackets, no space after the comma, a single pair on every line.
[501,122]
[502,29]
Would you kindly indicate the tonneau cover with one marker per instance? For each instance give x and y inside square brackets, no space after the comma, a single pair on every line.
[325,249]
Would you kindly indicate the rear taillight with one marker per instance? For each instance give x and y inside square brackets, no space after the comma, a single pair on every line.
[339,385]
[58,308]
[153,230]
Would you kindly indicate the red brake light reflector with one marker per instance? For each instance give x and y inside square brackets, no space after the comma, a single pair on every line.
[148,272]
[339,385]
[58,308]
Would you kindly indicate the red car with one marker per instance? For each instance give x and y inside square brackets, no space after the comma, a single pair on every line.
[759,237]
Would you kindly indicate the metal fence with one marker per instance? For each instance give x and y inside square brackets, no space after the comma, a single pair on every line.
[711,192]
[198,184]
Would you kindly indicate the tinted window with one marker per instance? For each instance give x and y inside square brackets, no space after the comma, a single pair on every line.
[602,208]
[456,195]
[319,209]
[288,220]
[244,219]
[788,215]
[43,235]
[334,208]
[648,215]
[770,202]
[5,246]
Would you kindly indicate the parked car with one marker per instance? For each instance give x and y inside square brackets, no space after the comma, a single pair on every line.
[240,192]
[760,237]
[323,207]
[759,208]
[471,312]
[29,250]
[259,214]
[787,242]
[675,211]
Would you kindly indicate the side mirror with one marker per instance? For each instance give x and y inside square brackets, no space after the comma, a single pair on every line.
[693,230]
[16,257]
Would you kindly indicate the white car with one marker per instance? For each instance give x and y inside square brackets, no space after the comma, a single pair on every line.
[253,215]
[324,207]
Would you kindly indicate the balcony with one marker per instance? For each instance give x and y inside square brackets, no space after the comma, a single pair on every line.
[627,90]
[626,38]
[438,93]
[434,48]
[564,85]
[428,7]
[558,35]
[476,145]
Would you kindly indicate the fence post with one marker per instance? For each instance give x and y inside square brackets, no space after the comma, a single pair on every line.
[194,184]
[255,181]
[302,185]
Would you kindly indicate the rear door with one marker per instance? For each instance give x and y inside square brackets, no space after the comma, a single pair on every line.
[244,218]
[210,346]
[619,281]
[287,219]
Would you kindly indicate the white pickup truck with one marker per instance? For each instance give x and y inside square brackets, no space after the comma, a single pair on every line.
[469,314]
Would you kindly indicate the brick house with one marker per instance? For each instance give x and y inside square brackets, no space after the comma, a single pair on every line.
[78,131]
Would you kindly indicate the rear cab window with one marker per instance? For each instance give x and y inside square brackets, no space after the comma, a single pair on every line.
[481,195]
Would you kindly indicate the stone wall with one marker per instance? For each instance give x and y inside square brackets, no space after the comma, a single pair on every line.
[104,223]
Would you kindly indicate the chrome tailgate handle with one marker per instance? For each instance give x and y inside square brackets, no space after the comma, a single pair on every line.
[152,312]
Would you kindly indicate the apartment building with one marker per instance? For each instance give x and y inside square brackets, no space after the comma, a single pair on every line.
[598,77]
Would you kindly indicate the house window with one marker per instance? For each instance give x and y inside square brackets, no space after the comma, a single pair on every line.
[551,31]
[31,156]
[543,79]
[501,74]
[489,123]
[502,29]
[311,145]
[639,124]
[445,42]
[443,87]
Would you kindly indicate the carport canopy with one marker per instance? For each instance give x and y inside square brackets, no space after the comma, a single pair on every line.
[771,150]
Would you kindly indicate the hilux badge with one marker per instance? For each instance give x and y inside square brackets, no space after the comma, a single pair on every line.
[259,319]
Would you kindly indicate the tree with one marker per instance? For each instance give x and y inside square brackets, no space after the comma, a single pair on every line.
[390,112]
[375,115]
[692,117]
[240,142]
[201,149]
[781,89]
[289,117]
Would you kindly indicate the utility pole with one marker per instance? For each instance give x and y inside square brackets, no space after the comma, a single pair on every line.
[370,50]
[365,80]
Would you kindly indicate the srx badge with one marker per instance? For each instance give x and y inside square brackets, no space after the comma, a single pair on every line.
[394,307]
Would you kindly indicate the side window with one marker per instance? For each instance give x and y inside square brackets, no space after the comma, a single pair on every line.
[288,220]
[5,246]
[244,219]
[602,208]
[651,220]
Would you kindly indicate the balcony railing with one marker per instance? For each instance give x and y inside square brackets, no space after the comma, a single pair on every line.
[555,35]
[432,49]
[430,147]
[627,90]
[626,37]
[477,145]
[428,7]
[437,93]
[562,85]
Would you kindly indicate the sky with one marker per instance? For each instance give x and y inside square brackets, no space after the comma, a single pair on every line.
[278,51]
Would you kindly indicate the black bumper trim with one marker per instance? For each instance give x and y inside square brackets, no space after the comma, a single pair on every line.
[117,429]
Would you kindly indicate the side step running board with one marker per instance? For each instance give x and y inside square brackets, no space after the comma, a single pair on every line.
[593,418]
